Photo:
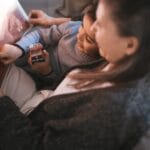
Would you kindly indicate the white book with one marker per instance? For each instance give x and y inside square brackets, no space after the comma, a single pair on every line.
[13,21]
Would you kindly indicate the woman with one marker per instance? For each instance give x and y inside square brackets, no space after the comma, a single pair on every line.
[112,111]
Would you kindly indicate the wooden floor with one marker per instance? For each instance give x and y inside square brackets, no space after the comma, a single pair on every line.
[48,6]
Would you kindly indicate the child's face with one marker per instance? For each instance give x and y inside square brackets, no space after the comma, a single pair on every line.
[86,38]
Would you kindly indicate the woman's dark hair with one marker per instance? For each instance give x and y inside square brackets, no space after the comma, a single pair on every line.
[132,19]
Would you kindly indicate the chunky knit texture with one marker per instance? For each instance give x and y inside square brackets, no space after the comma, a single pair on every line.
[106,119]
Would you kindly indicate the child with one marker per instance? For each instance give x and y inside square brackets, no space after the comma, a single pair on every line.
[70,44]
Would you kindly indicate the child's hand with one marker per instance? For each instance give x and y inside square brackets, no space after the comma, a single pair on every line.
[9,53]
[39,60]
[38,17]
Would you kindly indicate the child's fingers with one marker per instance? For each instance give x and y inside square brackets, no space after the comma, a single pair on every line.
[36,46]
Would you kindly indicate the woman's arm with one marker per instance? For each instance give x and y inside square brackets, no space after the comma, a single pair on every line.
[74,122]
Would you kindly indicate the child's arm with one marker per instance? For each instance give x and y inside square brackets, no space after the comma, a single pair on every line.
[46,36]
[27,40]
[10,52]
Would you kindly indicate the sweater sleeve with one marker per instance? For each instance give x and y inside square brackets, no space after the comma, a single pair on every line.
[46,131]
[15,128]
[45,36]
[20,133]
[53,34]
[70,122]
[27,40]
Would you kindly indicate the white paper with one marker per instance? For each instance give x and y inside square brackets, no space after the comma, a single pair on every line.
[13,21]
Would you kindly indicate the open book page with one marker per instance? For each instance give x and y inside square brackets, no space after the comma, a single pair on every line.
[13,23]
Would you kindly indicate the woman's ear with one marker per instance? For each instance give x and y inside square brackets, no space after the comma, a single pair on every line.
[132,45]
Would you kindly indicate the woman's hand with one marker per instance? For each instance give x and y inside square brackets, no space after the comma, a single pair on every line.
[39,60]
[9,53]
[38,17]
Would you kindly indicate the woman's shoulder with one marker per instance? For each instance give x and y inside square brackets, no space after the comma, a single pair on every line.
[109,112]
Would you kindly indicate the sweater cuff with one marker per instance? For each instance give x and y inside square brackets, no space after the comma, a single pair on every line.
[27,40]
[23,51]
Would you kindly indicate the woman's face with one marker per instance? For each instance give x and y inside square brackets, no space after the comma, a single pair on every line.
[111,45]
[86,38]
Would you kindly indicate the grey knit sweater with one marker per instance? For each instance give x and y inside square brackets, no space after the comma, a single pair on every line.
[113,118]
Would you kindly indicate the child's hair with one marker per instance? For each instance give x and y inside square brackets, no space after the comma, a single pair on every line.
[91,9]
[93,3]
[132,19]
